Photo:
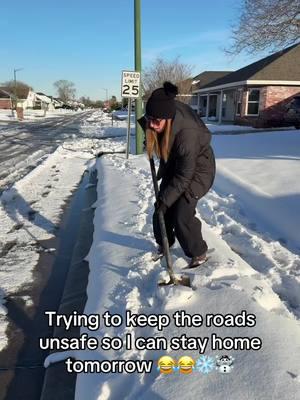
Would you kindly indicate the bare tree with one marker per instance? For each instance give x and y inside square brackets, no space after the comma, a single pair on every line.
[173,71]
[266,24]
[21,87]
[86,101]
[65,89]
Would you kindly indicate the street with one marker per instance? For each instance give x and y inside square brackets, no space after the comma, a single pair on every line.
[24,144]
[40,215]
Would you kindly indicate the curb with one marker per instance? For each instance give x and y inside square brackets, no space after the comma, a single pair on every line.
[258,130]
[58,383]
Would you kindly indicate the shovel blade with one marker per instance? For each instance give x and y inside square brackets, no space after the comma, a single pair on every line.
[183,281]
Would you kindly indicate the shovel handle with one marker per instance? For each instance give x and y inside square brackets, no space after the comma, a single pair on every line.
[154,178]
[162,226]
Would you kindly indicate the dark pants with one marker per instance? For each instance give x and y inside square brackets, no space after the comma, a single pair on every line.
[181,223]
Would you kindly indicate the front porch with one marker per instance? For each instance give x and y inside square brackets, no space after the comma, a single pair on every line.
[219,106]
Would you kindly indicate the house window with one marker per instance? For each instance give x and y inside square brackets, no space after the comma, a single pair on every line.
[239,97]
[253,102]
[194,100]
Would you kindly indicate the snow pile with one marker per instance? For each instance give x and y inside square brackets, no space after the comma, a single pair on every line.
[6,115]
[30,115]
[95,146]
[100,125]
[30,212]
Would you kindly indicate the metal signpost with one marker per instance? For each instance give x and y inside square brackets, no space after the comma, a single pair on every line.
[130,89]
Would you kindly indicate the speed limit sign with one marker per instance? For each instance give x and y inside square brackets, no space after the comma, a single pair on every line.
[130,84]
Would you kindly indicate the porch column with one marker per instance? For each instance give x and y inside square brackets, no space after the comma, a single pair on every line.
[198,103]
[207,106]
[220,107]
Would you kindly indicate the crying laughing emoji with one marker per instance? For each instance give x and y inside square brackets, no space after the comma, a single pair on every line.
[166,365]
[186,365]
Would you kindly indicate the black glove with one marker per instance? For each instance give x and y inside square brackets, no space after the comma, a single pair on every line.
[160,206]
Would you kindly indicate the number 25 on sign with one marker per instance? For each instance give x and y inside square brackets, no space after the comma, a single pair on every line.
[130,84]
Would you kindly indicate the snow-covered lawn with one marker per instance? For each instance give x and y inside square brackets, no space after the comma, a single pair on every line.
[262,171]
[40,115]
[254,265]
[227,128]
[30,115]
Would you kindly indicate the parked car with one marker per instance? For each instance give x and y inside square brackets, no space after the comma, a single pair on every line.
[67,107]
[293,112]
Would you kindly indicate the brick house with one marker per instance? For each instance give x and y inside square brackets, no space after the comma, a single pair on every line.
[255,95]
[26,96]
[5,100]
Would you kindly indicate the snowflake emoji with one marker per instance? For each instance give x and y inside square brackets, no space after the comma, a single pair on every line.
[205,364]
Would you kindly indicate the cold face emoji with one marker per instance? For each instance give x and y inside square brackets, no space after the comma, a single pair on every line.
[166,365]
[186,364]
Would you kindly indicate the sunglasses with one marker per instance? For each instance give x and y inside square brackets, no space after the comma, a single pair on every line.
[155,121]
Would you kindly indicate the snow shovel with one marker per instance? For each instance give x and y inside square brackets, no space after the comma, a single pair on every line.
[183,280]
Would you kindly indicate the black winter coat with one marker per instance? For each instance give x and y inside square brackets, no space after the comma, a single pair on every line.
[190,168]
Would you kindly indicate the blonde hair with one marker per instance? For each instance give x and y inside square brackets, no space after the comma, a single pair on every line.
[158,143]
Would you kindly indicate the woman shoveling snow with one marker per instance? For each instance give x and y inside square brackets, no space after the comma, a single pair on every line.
[181,141]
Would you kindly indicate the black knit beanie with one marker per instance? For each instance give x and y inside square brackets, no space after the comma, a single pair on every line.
[161,103]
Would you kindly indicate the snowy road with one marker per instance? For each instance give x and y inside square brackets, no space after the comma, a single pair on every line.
[24,145]
[42,163]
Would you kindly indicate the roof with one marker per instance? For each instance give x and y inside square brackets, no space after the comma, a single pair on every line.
[281,66]
[43,97]
[4,94]
[185,86]
[22,91]
[207,77]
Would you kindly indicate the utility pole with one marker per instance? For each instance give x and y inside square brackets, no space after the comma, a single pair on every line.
[15,86]
[106,90]
[139,135]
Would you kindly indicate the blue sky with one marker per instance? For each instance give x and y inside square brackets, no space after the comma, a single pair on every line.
[90,42]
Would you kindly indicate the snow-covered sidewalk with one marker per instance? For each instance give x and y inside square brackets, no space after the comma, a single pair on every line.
[123,277]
